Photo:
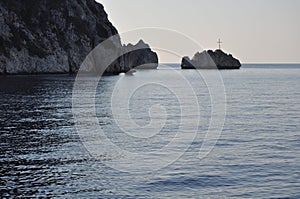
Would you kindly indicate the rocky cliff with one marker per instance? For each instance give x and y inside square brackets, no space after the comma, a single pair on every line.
[54,36]
[211,60]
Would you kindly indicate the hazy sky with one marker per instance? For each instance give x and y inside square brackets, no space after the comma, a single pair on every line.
[255,31]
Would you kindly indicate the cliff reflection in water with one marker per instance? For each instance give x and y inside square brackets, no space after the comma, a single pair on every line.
[36,129]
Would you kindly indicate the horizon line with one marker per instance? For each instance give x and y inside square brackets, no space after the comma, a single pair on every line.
[291,63]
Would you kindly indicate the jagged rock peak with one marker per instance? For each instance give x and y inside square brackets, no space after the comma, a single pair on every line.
[139,45]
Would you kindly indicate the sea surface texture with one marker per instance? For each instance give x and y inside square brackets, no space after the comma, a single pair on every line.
[256,154]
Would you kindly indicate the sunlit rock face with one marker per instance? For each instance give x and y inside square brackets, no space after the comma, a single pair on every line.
[52,36]
[211,60]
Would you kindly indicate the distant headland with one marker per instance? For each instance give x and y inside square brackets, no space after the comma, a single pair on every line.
[211,60]
[55,36]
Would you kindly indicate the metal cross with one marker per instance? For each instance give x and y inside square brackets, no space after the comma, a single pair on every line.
[219,42]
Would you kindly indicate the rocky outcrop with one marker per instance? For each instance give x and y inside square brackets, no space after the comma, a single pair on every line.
[55,36]
[140,56]
[211,60]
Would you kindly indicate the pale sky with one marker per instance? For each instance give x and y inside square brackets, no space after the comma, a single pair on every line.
[255,31]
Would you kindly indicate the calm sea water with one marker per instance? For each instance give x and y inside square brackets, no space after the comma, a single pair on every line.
[256,156]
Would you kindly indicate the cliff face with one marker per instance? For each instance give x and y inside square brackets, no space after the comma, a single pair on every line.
[211,60]
[51,36]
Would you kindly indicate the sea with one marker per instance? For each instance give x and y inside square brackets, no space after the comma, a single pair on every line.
[165,133]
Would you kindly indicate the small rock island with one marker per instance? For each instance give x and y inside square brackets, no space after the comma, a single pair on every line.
[211,60]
